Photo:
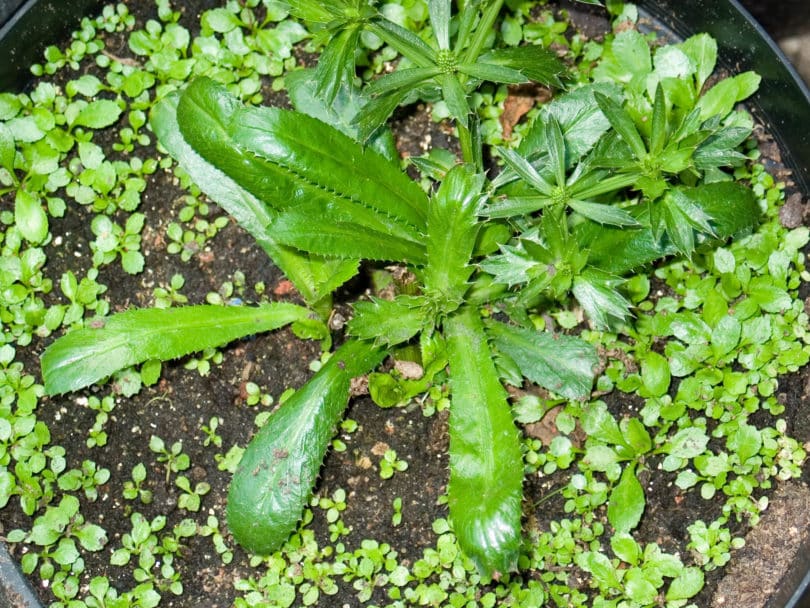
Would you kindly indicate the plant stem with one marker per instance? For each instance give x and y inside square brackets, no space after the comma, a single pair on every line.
[470,140]
[482,31]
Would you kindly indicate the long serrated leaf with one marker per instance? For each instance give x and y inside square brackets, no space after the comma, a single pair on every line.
[347,230]
[455,97]
[514,206]
[319,157]
[511,267]
[603,214]
[452,232]
[525,170]
[556,150]
[534,62]
[403,41]
[340,112]
[623,123]
[440,21]
[315,278]
[493,72]
[278,469]
[562,364]
[658,128]
[401,79]
[375,112]
[88,355]
[485,472]
[336,63]
[202,115]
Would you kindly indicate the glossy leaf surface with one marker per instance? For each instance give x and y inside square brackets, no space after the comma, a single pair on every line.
[452,232]
[90,354]
[275,477]
[314,277]
[486,475]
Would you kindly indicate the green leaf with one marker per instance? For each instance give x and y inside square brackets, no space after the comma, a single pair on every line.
[626,59]
[638,589]
[452,230]
[98,114]
[526,171]
[562,364]
[726,335]
[603,213]
[336,63]
[440,21]
[375,112]
[88,355]
[626,502]
[7,149]
[722,97]
[388,321]
[220,20]
[623,123]
[597,293]
[403,41]
[344,229]
[746,442]
[687,443]
[485,473]
[455,97]
[274,480]
[655,374]
[492,73]
[600,567]
[92,537]
[314,277]
[768,296]
[403,79]
[597,422]
[626,548]
[686,585]
[582,122]
[702,50]
[533,62]
[30,217]
[315,12]
[340,112]
[310,158]
[636,436]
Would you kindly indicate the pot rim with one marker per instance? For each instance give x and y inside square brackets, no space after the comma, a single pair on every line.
[36,23]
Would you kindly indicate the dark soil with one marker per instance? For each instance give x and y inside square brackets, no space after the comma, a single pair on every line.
[176,408]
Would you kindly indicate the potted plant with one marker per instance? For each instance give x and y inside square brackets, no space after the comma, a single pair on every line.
[478,266]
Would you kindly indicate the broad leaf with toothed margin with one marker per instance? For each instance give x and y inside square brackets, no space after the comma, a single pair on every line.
[562,364]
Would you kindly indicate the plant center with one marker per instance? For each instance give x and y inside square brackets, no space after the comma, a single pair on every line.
[446,61]
[559,195]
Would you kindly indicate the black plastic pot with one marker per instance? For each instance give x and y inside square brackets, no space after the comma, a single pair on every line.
[782,104]
[27,27]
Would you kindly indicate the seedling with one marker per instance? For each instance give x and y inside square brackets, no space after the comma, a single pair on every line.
[608,180]
[133,489]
